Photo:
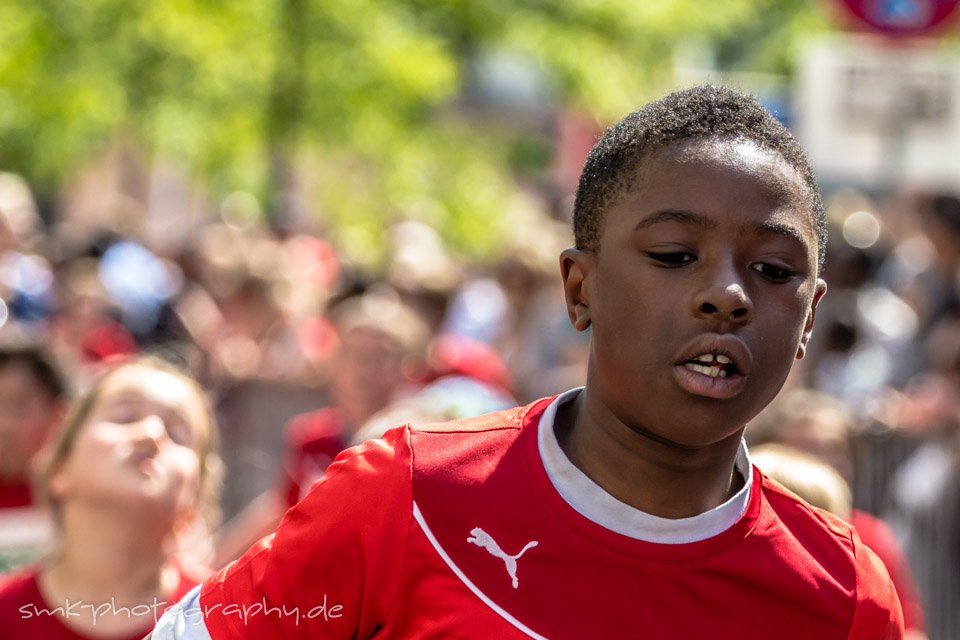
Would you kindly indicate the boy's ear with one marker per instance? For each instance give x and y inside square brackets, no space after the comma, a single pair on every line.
[575,266]
[821,288]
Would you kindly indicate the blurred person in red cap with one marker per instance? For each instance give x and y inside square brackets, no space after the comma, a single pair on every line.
[464,378]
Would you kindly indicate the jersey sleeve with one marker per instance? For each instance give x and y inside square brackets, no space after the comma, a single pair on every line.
[878,615]
[333,566]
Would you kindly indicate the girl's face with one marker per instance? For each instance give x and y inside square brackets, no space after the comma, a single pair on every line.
[138,448]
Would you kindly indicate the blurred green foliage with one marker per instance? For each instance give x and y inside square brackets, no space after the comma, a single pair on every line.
[370,91]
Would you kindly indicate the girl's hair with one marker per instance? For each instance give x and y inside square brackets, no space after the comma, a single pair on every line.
[813,480]
[206,444]
[796,406]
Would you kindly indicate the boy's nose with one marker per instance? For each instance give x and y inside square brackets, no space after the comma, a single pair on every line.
[725,301]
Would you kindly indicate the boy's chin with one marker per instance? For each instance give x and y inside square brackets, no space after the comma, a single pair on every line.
[680,434]
[690,426]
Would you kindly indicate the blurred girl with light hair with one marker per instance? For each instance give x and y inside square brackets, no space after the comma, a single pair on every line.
[131,476]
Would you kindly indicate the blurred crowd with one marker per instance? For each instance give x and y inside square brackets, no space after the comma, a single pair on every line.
[303,353]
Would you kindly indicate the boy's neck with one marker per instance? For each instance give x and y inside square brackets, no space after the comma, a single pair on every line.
[636,469]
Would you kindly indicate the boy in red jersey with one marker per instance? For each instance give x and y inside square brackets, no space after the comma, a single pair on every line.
[627,508]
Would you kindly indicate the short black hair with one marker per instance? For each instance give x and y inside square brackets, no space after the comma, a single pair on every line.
[40,364]
[699,113]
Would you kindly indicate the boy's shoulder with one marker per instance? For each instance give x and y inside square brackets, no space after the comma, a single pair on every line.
[470,444]
[820,536]
[807,534]
[794,511]
[419,449]
[513,418]
[836,545]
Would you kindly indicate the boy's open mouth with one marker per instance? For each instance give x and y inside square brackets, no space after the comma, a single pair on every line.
[713,365]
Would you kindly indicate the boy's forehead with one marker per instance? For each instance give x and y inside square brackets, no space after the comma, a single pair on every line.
[743,156]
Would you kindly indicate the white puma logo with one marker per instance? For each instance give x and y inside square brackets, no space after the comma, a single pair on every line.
[481,538]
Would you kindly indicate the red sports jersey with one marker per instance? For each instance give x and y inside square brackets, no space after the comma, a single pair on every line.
[25,613]
[455,530]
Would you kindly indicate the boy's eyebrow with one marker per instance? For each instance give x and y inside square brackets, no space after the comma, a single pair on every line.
[769,227]
[676,215]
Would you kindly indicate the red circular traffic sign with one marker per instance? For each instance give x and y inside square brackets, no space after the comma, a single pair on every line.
[903,17]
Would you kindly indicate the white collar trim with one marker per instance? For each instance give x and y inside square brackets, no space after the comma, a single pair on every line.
[588,498]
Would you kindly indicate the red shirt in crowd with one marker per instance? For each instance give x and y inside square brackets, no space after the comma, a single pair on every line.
[312,440]
[25,613]
[15,495]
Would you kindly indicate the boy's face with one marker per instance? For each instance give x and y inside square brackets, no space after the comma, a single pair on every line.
[702,291]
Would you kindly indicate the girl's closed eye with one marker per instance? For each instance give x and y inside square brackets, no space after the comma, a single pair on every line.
[179,431]
[124,413]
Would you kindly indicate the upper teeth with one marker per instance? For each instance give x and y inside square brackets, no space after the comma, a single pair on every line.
[709,357]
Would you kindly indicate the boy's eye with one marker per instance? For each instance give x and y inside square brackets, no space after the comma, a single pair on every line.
[672,258]
[772,272]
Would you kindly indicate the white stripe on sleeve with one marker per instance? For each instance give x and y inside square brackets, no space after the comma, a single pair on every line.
[183,621]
